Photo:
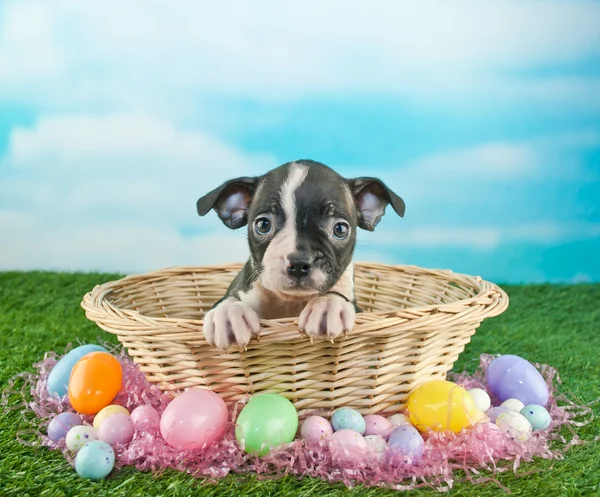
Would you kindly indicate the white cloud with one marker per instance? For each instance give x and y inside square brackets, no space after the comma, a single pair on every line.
[136,53]
[110,247]
[485,237]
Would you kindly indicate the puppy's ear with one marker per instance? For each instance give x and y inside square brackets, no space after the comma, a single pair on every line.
[230,201]
[372,197]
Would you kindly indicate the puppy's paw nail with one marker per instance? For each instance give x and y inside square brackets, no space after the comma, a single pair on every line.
[311,340]
[331,340]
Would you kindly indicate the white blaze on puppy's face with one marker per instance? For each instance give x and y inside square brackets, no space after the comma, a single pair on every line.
[275,260]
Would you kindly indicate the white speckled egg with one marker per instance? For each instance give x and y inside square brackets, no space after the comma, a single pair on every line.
[376,444]
[399,419]
[78,436]
[513,405]
[538,416]
[515,425]
[481,399]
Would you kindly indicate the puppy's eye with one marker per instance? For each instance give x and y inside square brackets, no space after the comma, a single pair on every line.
[341,230]
[262,226]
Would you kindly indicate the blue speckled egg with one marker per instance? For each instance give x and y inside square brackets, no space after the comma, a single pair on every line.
[348,419]
[95,460]
[58,379]
[538,416]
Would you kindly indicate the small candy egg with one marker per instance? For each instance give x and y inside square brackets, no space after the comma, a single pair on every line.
[61,424]
[513,405]
[146,418]
[376,444]
[376,425]
[347,444]
[515,425]
[106,412]
[58,379]
[399,419]
[78,436]
[480,398]
[95,381]
[512,377]
[95,460]
[348,419]
[116,429]
[406,444]
[494,412]
[538,416]
[315,429]
[441,405]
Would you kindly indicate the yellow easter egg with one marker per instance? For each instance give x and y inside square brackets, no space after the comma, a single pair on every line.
[440,405]
[106,412]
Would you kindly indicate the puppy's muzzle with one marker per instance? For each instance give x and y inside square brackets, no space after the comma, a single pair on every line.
[300,265]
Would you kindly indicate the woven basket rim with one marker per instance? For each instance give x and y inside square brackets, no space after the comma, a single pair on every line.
[489,296]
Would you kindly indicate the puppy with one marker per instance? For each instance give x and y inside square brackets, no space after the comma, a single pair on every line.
[302,219]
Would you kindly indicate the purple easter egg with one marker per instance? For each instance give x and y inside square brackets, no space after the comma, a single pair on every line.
[376,425]
[405,444]
[494,412]
[517,379]
[61,424]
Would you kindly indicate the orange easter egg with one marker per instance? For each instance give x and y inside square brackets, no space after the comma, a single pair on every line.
[95,381]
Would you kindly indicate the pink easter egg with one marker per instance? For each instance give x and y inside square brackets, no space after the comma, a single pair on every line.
[348,445]
[145,419]
[116,429]
[315,428]
[376,425]
[196,417]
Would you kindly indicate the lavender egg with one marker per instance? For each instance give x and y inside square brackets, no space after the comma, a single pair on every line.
[512,377]
[61,424]
[406,443]
[494,412]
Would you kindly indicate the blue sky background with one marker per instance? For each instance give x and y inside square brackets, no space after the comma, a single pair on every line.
[483,116]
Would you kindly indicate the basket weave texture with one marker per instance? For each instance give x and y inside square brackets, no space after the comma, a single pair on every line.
[415,324]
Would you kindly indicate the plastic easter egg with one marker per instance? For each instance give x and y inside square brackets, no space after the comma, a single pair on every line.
[315,429]
[538,416]
[399,419]
[61,424]
[348,445]
[95,381]
[480,398]
[146,419]
[376,425]
[512,377]
[116,429]
[376,444]
[515,425]
[513,405]
[494,412]
[107,411]
[406,444]
[58,379]
[78,436]
[95,460]
[266,421]
[440,405]
[346,418]
[196,417]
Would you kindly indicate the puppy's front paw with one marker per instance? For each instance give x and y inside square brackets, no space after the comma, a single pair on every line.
[230,322]
[327,316]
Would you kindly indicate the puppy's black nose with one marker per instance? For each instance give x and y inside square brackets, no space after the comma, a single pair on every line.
[299,265]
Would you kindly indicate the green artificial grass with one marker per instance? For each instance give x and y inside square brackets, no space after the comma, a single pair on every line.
[556,325]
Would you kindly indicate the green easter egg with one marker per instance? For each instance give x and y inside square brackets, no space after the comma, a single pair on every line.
[267,420]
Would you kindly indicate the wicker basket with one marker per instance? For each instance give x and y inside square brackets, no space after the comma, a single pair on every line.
[415,324]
